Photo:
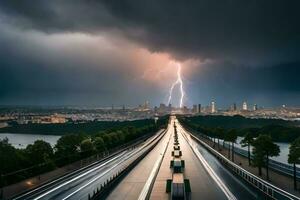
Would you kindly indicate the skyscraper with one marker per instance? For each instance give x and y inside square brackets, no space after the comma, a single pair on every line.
[245,106]
[146,105]
[255,107]
[199,108]
[195,109]
[213,107]
[233,107]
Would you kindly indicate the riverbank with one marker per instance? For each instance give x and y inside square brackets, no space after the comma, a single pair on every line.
[87,127]
[283,155]
[20,141]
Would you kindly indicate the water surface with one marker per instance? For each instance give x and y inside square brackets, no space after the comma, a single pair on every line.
[20,141]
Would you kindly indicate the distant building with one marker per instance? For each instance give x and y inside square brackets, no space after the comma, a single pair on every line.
[234,107]
[245,106]
[195,109]
[162,108]
[255,107]
[199,108]
[185,109]
[3,124]
[213,107]
[146,105]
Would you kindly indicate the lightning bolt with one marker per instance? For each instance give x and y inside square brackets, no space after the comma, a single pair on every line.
[177,82]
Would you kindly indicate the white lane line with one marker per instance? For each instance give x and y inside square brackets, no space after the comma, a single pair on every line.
[81,175]
[97,177]
[77,177]
[62,177]
[210,171]
[110,169]
[145,191]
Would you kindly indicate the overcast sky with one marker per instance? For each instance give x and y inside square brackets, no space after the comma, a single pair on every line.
[98,53]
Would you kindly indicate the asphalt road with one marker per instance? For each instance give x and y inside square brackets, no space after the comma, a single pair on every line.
[202,184]
[132,185]
[81,184]
[237,188]
[208,178]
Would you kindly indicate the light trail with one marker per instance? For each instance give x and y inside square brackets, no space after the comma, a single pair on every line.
[177,82]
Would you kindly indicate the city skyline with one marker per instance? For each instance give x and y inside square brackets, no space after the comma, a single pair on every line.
[124,52]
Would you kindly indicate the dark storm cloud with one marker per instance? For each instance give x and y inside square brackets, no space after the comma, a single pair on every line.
[248,31]
[254,46]
[227,83]
[38,69]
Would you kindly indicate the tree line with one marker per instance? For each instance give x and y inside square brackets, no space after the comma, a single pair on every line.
[262,143]
[280,130]
[89,127]
[40,157]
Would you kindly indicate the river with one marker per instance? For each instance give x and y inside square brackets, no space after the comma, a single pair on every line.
[284,150]
[20,141]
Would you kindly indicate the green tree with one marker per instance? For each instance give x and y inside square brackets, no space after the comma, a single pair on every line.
[218,135]
[87,147]
[99,144]
[68,145]
[115,138]
[246,142]
[39,152]
[263,148]
[294,158]
[11,159]
[107,140]
[231,137]
[227,139]
[212,134]
[221,135]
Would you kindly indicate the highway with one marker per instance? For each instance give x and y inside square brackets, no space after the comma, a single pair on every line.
[208,180]
[79,185]
[224,178]
[133,184]
[202,185]
[207,176]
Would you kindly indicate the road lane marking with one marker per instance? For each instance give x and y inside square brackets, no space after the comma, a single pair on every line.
[134,153]
[77,177]
[208,168]
[93,180]
[42,188]
[149,183]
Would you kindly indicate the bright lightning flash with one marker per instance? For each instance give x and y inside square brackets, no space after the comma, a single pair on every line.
[177,82]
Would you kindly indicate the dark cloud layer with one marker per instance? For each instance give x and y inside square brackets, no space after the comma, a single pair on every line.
[254,45]
[227,83]
[250,31]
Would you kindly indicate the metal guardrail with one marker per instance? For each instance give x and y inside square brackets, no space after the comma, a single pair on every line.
[44,186]
[266,188]
[103,191]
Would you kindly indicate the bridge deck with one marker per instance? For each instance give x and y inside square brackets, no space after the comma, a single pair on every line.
[132,185]
[202,185]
